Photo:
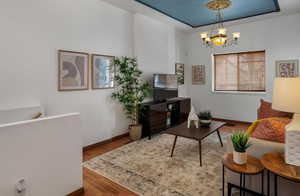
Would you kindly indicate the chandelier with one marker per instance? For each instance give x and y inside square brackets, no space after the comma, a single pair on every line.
[218,36]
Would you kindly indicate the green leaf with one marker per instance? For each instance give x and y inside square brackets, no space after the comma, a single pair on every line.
[240,141]
[130,89]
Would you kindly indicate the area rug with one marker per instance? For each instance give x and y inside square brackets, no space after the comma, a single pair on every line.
[146,168]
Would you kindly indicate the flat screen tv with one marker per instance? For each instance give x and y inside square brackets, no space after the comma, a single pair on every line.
[165,81]
[165,87]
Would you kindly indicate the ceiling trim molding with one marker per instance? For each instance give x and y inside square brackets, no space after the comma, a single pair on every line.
[277,9]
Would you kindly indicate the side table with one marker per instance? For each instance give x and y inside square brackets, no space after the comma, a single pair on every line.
[274,162]
[252,167]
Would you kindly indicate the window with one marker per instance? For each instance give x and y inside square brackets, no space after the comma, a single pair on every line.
[243,72]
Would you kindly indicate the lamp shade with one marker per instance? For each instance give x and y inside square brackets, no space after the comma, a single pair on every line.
[286,95]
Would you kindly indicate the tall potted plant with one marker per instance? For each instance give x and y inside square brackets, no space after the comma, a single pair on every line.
[130,91]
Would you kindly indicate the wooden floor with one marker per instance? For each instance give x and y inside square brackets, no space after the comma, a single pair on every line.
[97,185]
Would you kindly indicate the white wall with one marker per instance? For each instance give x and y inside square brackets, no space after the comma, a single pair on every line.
[31,33]
[20,114]
[47,153]
[157,46]
[152,42]
[278,36]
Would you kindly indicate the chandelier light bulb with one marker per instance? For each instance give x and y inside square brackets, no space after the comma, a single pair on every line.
[219,41]
[236,35]
[222,31]
[207,39]
[204,35]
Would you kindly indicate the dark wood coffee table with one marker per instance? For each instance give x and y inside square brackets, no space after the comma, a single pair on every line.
[195,133]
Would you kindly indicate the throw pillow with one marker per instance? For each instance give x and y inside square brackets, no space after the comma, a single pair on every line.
[272,129]
[252,127]
[266,111]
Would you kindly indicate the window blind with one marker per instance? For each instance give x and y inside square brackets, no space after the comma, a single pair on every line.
[240,71]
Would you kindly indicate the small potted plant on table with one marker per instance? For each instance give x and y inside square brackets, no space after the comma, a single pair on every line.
[130,91]
[240,143]
[205,118]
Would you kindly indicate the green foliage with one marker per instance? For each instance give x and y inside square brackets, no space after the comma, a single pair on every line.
[240,141]
[205,115]
[130,90]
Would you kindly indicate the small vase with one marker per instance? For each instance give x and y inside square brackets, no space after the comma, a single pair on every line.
[240,158]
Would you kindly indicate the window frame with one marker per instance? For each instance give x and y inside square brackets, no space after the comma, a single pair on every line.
[235,91]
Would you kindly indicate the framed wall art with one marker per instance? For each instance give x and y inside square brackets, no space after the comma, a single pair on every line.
[179,71]
[287,68]
[103,71]
[198,74]
[73,70]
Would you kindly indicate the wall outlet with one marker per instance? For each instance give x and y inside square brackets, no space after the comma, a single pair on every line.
[21,187]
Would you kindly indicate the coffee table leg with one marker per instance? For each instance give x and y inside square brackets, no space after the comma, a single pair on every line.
[200,153]
[220,137]
[174,145]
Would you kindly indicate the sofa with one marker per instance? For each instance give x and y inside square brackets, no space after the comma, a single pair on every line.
[258,149]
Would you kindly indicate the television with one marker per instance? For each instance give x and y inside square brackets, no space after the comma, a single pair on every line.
[165,81]
[165,86]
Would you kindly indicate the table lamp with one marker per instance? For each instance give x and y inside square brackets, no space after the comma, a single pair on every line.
[286,97]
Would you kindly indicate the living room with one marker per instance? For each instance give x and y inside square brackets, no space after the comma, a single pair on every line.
[57,138]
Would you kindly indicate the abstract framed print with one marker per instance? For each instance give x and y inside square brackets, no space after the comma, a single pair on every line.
[103,71]
[287,68]
[73,70]
[179,71]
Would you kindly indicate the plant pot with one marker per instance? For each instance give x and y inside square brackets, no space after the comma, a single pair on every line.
[240,158]
[205,122]
[135,132]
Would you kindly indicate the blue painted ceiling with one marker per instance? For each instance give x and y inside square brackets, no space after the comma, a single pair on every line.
[195,13]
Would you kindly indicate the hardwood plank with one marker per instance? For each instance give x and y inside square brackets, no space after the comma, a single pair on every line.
[99,144]
[105,147]
[233,122]
[78,192]
[97,185]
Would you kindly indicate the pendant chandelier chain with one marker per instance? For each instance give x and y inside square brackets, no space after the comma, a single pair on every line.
[219,19]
